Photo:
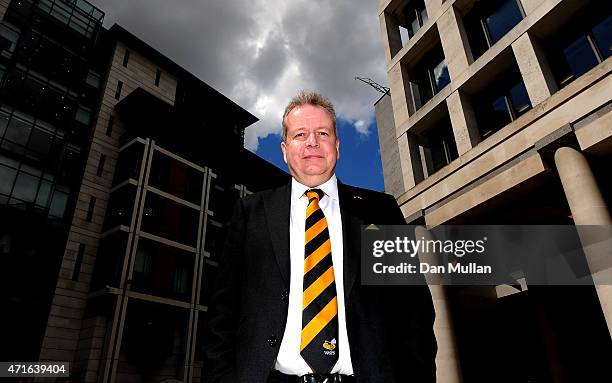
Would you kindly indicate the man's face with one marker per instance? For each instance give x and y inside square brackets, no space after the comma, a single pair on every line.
[311,148]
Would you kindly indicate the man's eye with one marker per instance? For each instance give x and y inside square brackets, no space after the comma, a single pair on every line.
[323,134]
[300,135]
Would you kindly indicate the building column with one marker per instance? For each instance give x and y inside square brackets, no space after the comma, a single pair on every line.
[539,80]
[454,41]
[448,369]
[463,121]
[399,84]
[392,39]
[410,160]
[587,206]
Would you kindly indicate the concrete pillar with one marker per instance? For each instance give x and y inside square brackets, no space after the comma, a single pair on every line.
[448,369]
[530,5]
[536,73]
[410,159]
[389,151]
[588,208]
[454,42]
[399,83]
[463,120]
[433,8]
[392,39]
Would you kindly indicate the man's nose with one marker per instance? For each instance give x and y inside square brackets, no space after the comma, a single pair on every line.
[311,139]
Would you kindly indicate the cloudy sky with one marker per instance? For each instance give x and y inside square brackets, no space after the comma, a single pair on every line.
[261,52]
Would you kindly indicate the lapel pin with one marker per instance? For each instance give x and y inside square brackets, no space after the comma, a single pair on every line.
[357,197]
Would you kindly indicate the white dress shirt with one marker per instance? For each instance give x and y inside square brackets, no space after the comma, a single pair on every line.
[289,360]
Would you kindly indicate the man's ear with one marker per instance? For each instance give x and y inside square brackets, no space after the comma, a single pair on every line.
[337,149]
[284,150]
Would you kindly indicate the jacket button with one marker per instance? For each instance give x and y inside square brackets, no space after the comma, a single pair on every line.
[272,340]
[285,296]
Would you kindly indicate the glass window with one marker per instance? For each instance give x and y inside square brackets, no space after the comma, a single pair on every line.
[25,187]
[59,202]
[430,75]
[162,270]
[83,115]
[4,118]
[441,144]
[176,178]
[504,100]
[171,220]
[7,177]
[580,56]
[109,262]
[215,238]
[40,140]
[502,19]
[129,163]
[93,79]
[154,342]
[9,35]
[18,131]
[488,21]
[440,75]
[520,99]
[120,207]
[42,199]
[603,37]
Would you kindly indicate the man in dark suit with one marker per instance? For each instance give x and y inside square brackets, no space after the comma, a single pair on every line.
[289,305]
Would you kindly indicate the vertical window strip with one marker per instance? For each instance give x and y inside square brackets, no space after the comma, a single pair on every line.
[158,76]
[78,262]
[126,58]
[101,163]
[109,127]
[118,91]
[90,209]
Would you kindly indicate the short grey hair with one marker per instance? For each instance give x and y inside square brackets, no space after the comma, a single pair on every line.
[305,97]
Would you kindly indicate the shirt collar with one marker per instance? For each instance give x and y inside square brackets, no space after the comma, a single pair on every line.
[329,187]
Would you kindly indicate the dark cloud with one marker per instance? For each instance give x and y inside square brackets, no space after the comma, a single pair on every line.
[260,52]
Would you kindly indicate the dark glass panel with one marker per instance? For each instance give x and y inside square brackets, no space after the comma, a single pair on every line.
[502,19]
[520,99]
[154,343]
[7,178]
[40,140]
[18,131]
[441,143]
[129,163]
[223,196]
[162,270]
[580,56]
[215,238]
[440,75]
[120,207]
[25,187]
[176,178]
[109,261]
[59,202]
[603,37]
[171,220]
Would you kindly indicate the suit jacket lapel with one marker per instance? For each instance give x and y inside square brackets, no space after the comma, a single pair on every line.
[277,209]
[351,226]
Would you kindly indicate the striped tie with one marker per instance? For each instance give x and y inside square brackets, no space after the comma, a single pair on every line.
[319,346]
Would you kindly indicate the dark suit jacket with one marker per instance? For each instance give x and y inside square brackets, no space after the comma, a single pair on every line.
[390,328]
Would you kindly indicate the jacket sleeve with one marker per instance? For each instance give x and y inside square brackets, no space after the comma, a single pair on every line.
[416,317]
[219,339]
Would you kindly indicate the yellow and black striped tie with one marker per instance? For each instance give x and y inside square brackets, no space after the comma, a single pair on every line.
[319,346]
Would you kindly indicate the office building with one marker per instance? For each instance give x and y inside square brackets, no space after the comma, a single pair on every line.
[499,113]
[118,174]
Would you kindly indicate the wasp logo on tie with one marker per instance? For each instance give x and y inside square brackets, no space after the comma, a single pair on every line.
[330,347]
